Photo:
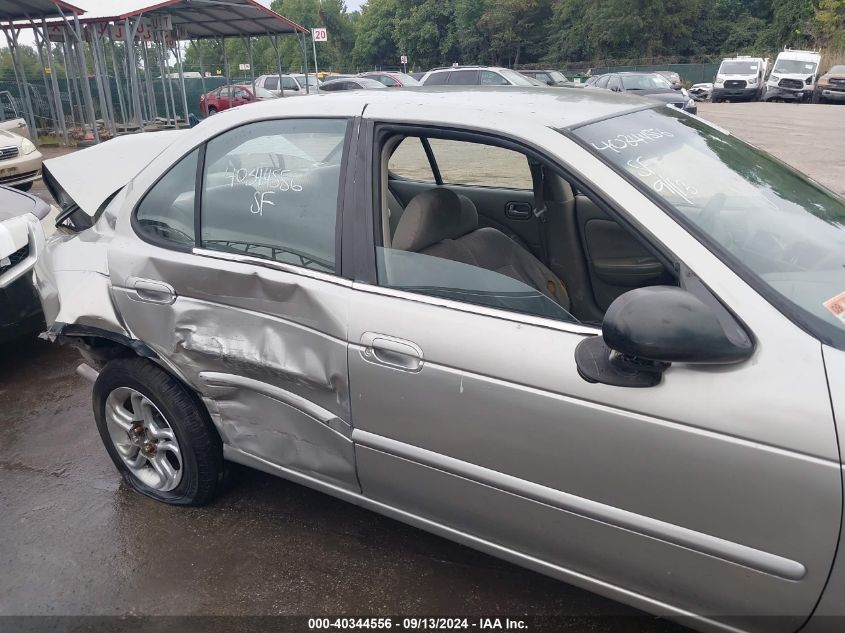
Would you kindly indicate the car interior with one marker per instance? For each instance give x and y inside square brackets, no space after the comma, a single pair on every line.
[540,230]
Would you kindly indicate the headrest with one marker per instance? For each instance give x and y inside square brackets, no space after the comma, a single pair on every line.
[433,216]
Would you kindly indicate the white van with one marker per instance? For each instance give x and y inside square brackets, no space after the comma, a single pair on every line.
[793,76]
[740,78]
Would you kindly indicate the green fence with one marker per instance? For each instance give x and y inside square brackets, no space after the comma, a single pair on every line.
[44,119]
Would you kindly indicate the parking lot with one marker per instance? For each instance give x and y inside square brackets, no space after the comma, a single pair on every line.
[77,541]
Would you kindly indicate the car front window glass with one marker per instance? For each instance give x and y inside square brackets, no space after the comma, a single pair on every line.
[271,190]
[271,83]
[786,230]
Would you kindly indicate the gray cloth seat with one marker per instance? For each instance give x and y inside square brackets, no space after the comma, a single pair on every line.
[441,223]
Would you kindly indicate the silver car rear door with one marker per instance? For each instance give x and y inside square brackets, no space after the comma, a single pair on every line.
[228,273]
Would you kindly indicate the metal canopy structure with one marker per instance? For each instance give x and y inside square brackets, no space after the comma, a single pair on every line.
[15,10]
[144,31]
[204,19]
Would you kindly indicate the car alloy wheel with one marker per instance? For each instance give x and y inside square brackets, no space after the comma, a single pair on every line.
[144,439]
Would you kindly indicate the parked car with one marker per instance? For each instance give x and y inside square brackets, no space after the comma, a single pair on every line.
[225,97]
[549,77]
[20,161]
[830,86]
[578,330]
[741,78]
[10,118]
[673,78]
[649,85]
[334,77]
[391,79]
[21,239]
[793,76]
[475,76]
[701,92]
[356,83]
[293,85]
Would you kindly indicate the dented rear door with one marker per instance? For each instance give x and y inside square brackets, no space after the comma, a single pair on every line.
[231,280]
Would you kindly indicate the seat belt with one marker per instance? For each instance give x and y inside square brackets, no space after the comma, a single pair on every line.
[537,180]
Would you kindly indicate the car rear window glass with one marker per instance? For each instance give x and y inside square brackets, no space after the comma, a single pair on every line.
[409,161]
[463,78]
[474,164]
[270,190]
[166,213]
[437,79]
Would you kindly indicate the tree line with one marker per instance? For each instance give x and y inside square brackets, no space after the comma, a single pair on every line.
[558,32]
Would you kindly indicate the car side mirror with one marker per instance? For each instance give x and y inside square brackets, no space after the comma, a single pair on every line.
[677,86]
[647,329]
[550,82]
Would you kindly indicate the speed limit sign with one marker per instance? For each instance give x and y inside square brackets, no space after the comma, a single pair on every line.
[320,34]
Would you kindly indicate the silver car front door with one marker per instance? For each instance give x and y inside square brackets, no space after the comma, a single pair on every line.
[248,309]
[715,494]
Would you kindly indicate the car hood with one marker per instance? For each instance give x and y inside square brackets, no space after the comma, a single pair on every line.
[826,78]
[15,207]
[85,179]
[7,138]
[800,76]
[666,95]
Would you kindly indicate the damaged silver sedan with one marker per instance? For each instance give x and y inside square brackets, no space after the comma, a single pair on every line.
[599,338]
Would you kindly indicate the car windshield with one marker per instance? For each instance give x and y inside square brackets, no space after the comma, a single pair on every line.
[837,70]
[645,82]
[517,79]
[771,223]
[738,68]
[405,80]
[558,76]
[312,80]
[793,67]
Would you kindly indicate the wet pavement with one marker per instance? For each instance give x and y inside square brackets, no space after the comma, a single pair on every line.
[77,541]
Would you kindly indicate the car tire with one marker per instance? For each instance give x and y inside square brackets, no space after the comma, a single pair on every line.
[212,111]
[715,100]
[24,186]
[817,98]
[147,419]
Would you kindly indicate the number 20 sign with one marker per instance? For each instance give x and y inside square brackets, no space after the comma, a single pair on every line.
[320,34]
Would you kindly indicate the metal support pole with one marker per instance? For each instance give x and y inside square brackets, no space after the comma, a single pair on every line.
[314,47]
[248,42]
[304,61]
[104,69]
[182,80]
[47,91]
[60,111]
[202,70]
[152,106]
[274,40]
[161,72]
[118,85]
[86,85]
[132,70]
[20,79]
[225,61]
[98,81]
[74,90]
[165,56]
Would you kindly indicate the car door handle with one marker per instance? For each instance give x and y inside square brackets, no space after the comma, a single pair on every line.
[151,291]
[518,210]
[391,352]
